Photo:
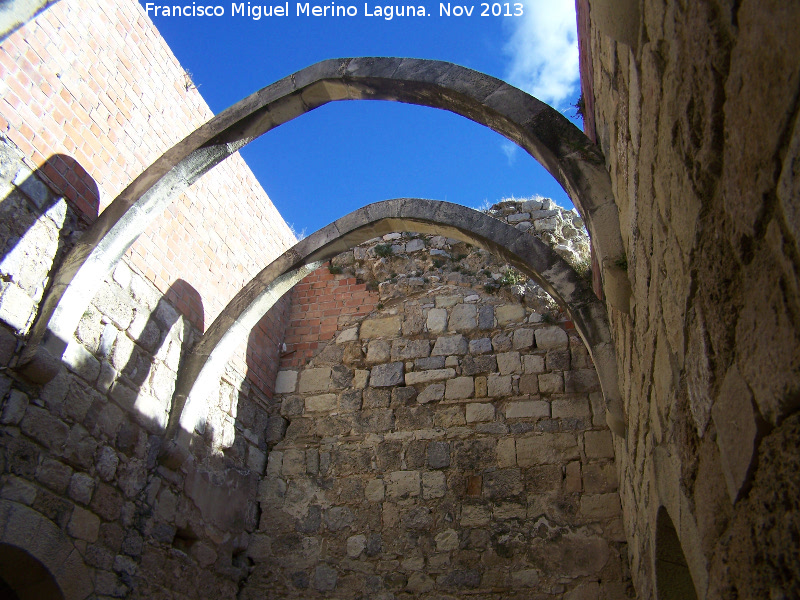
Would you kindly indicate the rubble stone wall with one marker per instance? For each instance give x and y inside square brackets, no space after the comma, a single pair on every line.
[698,121]
[452,441]
[81,488]
[79,469]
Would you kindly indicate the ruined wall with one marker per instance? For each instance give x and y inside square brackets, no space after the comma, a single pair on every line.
[451,442]
[79,456]
[89,96]
[697,119]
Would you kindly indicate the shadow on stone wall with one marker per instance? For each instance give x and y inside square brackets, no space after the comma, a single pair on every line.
[38,226]
[81,454]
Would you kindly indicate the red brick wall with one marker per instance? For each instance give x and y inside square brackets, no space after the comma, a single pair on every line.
[319,301]
[92,94]
[264,346]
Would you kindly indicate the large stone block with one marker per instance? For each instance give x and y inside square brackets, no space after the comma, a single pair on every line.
[523,338]
[419,518]
[438,455]
[503,484]
[475,516]
[447,540]
[571,408]
[403,484]
[486,317]
[275,429]
[506,453]
[499,385]
[598,444]
[527,578]
[558,360]
[437,320]
[600,478]
[356,545]
[551,383]
[84,525]
[322,403]
[502,342]
[286,382]
[16,307]
[448,301]
[403,349]
[325,578]
[378,351]
[452,416]
[529,384]
[409,418]
[375,490]
[480,411]
[81,362]
[433,392]
[449,345]
[338,518]
[315,380]
[14,408]
[549,448]
[429,376]
[509,362]
[386,375]
[509,313]
[600,506]
[43,427]
[432,362]
[548,338]
[529,409]
[434,485]
[463,318]
[474,455]
[581,381]
[459,388]
[533,363]
[386,327]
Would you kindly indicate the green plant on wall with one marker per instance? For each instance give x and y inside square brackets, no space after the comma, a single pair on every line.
[383,250]
[511,277]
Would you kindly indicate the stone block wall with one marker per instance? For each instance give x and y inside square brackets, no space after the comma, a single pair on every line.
[450,442]
[81,486]
[82,452]
[697,116]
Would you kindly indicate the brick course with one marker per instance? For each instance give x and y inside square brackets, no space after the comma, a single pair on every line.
[320,303]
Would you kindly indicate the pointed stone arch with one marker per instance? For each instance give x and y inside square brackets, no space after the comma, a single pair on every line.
[33,542]
[574,161]
[524,251]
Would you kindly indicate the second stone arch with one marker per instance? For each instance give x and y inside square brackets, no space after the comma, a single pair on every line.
[525,252]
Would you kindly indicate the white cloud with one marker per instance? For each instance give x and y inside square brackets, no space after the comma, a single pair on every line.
[510,150]
[543,48]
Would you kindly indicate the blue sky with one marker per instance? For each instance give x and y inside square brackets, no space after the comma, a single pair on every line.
[347,154]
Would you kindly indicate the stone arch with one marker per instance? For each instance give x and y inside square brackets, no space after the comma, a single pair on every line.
[32,539]
[523,251]
[574,161]
[24,578]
